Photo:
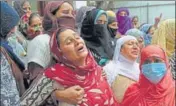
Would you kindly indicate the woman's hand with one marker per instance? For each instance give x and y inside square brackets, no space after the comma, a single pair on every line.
[72,95]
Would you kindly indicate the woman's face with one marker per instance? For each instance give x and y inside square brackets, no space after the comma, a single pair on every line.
[135,21]
[27,8]
[123,13]
[153,59]
[141,43]
[72,46]
[130,50]
[102,19]
[35,26]
[113,25]
[65,10]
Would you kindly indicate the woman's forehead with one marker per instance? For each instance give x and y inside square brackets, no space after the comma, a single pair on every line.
[66,6]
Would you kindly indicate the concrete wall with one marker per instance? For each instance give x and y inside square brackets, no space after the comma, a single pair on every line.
[148,10]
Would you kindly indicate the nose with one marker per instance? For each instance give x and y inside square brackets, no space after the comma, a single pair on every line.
[70,14]
[76,41]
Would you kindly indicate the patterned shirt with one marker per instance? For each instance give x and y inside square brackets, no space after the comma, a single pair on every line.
[9,92]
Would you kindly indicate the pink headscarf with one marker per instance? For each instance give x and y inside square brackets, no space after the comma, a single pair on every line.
[144,93]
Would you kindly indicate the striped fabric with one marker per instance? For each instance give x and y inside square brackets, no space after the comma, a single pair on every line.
[172,63]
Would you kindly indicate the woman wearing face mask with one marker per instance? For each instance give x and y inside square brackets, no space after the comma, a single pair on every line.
[98,40]
[156,86]
[123,70]
[148,30]
[112,23]
[80,15]
[76,66]
[124,21]
[57,14]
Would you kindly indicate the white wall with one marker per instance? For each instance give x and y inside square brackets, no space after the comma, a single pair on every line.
[139,8]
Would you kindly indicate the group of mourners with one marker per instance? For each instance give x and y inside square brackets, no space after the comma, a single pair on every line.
[90,57]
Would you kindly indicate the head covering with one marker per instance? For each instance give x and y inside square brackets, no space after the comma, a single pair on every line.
[50,22]
[88,77]
[165,36]
[111,19]
[100,12]
[119,63]
[135,32]
[9,19]
[18,6]
[147,37]
[111,16]
[38,51]
[80,15]
[96,36]
[147,94]
[124,22]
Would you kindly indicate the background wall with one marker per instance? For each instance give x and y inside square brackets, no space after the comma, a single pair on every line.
[148,10]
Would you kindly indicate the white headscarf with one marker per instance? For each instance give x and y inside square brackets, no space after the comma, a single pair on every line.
[120,64]
[38,51]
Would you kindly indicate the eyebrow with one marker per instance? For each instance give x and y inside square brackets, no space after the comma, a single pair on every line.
[67,39]
[70,36]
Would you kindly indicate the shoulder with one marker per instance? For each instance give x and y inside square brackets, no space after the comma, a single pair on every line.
[41,38]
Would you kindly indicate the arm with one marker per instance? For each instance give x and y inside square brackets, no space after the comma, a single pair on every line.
[71,95]
[34,70]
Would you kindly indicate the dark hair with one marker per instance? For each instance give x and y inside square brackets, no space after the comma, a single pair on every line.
[32,16]
[54,12]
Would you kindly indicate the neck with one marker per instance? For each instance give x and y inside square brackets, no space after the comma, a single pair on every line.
[80,62]
[124,59]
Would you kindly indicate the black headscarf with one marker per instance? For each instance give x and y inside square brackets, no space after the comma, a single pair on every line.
[97,37]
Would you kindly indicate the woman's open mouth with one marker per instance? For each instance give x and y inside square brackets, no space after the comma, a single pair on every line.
[80,49]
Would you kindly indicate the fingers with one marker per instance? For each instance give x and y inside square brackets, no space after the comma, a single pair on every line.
[77,87]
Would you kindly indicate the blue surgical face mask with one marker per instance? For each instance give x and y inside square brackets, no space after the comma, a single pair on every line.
[154,72]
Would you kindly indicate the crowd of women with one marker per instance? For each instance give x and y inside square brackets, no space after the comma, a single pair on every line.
[90,57]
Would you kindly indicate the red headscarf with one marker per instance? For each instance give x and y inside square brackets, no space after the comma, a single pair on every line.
[144,93]
[51,23]
[88,77]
